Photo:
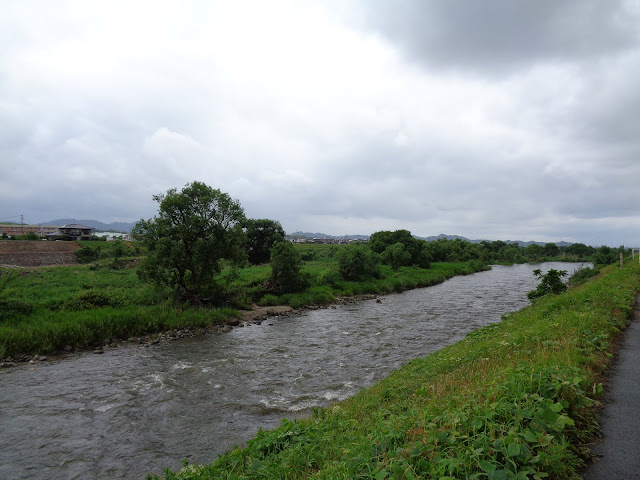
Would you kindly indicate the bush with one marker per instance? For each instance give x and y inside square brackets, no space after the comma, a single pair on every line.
[92,299]
[551,282]
[396,255]
[11,307]
[87,254]
[331,278]
[30,236]
[358,262]
[285,268]
[309,255]
[583,274]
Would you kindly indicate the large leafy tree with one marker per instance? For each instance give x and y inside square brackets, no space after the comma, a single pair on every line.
[417,249]
[260,236]
[194,232]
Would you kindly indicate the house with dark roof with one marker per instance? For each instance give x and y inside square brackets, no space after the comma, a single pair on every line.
[76,232]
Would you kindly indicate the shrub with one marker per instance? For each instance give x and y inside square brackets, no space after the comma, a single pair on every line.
[87,254]
[30,236]
[309,255]
[582,274]
[11,307]
[551,282]
[330,278]
[285,268]
[92,299]
[358,262]
[396,255]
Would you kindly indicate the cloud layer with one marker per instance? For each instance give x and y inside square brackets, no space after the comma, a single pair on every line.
[499,120]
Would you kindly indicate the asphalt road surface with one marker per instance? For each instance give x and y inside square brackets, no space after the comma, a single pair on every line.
[619,450]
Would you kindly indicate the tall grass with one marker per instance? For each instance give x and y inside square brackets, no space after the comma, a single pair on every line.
[46,309]
[329,285]
[512,400]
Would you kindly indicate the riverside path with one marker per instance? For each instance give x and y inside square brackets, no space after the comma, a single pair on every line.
[618,452]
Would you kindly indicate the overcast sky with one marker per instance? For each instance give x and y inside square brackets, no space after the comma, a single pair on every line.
[494,119]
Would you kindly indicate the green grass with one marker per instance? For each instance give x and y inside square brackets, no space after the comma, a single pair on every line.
[44,309]
[512,400]
[329,285]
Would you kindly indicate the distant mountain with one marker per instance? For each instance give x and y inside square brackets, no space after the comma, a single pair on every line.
[447,237]
[324,235]
[123,227]
[432,238]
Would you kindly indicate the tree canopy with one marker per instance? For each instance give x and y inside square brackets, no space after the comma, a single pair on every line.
[194,231]
[357,262]
[417,250]
[260,236]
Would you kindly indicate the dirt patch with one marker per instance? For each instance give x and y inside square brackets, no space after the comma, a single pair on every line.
[263,312]
[35,253]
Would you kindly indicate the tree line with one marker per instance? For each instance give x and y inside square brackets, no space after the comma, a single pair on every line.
[199,232]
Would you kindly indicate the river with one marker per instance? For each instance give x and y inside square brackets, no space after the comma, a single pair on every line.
[136,410]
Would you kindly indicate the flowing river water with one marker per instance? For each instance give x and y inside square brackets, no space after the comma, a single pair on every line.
[136,410]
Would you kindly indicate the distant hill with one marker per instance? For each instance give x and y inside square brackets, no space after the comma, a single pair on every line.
[324,235]
[123,227]
[519,242]
[432,238]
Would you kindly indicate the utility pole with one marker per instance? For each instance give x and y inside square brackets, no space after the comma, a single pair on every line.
[22,223]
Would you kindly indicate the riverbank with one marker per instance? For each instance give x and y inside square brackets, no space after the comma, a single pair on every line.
[515,398]
[53,310]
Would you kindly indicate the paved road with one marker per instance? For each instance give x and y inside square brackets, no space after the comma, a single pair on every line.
[619,449]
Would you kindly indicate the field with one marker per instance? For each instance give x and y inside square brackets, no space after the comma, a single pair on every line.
[45,309]
[512,400]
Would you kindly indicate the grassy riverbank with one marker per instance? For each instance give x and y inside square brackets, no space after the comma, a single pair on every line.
[512,400]
[45,309]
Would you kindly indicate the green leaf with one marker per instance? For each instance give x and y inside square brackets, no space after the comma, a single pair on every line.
[513,449]
[556,407]
[563,421]
[498,475]
[487,466]
[381,475]
[549,416]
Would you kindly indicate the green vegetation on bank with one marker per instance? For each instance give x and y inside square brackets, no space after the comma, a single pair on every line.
[512,400]
[45,309]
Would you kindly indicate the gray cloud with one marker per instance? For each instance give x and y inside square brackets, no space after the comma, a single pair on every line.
[504,35]
[490,120]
